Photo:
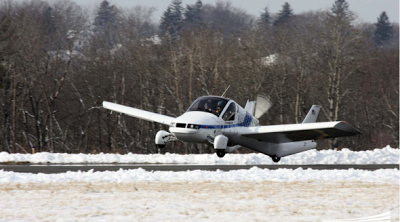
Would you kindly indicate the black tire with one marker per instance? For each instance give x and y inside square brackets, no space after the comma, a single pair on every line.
[220,153]
[160,145]
[275,158]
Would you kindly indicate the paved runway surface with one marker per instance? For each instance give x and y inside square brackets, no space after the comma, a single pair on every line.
[57,168]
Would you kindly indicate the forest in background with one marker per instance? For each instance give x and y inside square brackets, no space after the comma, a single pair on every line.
[59,62]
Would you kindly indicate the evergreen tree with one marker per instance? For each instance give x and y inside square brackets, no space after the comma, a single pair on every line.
[177,14]
[189,14]
[166,21]
[106,23]
[106,16]
[265,18]
[340,8]
[172,19]
[5,36]
[284,15]
[147,29]
[193,13]
[50,28]
[383,30]
[49,20]
[341,17]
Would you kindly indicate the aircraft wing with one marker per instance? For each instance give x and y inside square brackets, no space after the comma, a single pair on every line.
[138,113]
[298,132]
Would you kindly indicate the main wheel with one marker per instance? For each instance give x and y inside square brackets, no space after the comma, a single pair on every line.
[220,153]
[160,145]
[275,158]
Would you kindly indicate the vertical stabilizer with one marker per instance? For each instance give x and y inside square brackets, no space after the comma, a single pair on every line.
[312,114]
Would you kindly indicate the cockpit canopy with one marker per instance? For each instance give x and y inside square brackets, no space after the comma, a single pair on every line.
[210,104]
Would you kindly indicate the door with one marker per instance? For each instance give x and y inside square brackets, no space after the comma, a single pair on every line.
[229,118]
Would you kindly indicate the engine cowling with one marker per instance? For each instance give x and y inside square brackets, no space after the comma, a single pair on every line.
[161,139]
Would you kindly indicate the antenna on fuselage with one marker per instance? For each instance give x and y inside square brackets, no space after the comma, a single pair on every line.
[225,91]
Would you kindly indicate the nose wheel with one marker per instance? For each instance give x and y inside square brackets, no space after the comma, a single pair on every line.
[220,152]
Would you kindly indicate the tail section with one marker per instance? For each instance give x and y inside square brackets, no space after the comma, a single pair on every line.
[312,114]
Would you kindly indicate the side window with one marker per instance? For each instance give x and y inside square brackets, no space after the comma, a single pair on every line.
[229,114]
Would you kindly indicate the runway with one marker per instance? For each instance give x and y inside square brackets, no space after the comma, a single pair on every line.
[57,168]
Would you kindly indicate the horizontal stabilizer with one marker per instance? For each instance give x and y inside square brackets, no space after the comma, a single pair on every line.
[299,132]
[138,113]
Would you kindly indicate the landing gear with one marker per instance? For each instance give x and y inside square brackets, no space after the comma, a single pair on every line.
[275,158]
[163,137]
[220,152]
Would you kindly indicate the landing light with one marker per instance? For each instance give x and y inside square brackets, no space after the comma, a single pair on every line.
[193,126]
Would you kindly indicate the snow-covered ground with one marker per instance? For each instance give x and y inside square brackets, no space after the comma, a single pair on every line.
[238,195]
[254,174]
[385,155]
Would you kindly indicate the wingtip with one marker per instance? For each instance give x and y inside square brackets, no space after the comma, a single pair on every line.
[343,125]
[105,103]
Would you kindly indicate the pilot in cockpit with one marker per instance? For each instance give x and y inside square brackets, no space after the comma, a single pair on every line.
[218,110]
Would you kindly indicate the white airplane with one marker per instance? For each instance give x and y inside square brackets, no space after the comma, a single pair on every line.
[225,125]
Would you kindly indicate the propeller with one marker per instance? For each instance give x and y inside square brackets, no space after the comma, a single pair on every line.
[262,106]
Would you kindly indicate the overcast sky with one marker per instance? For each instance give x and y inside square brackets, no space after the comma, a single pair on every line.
[367,10]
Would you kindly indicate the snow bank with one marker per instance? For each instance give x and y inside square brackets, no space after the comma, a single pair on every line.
[385,155]
[254,174]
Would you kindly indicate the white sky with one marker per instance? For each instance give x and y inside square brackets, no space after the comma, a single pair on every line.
[367,10]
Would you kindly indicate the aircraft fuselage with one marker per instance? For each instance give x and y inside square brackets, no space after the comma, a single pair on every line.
[203,125]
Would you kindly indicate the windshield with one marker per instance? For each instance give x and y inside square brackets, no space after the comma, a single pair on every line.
[212,105]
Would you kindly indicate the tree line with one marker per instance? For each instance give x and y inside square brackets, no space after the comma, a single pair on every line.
[58,62]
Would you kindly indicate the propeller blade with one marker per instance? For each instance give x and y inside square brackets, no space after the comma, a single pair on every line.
[262,106]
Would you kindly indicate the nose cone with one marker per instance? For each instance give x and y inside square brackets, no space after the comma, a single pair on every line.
[193,126]
[198,118]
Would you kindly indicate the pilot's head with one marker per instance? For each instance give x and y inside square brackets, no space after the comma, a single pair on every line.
[220,105]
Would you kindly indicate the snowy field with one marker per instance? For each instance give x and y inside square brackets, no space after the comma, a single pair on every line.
[239,195]
[385,155]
